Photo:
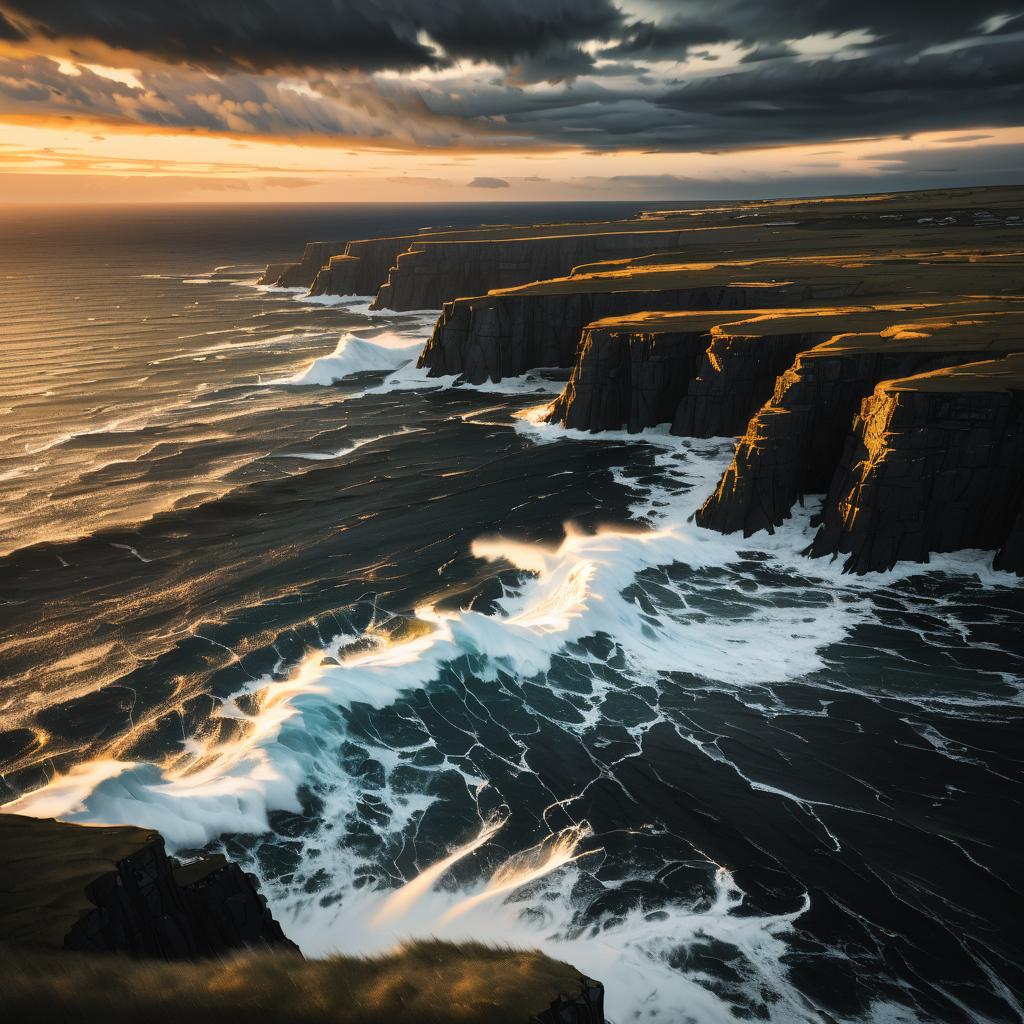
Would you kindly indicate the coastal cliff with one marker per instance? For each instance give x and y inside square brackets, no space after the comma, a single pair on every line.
[793,444]
[429,274]
[705,373]
[364,266]
[627,378]
[98,923]
[302,273]
[933,463]
[115,890]
[504,334]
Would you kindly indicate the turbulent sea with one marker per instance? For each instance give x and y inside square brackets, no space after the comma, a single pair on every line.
[431,669]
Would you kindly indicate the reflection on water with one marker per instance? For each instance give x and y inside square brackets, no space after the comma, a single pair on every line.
[431,667]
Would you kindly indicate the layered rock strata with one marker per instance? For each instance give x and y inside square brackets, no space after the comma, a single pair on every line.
[115,890]
[504,334]
[705,373]
[631,379]
[934,463]
[793,444]
[301,274]
[429,274]
[366,265]
[509,331]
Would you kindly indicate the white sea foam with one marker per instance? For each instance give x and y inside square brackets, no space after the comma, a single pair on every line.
[573,590]
[342,452]
[355,354]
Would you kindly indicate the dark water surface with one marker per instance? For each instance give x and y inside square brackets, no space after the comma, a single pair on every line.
[342,631]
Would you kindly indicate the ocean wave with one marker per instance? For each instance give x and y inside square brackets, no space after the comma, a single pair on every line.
[589,584]
[354,354]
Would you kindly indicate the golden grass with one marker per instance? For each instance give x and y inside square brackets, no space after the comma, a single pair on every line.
[423,983]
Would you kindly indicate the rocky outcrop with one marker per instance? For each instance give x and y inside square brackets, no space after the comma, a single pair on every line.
[736,375]
[1010,557]
[583,1007]
[933,464]
[430,274]
[339,276]
[301,274]
[504,334]
[372,257]
[705,373]
[631,379]
[793,444]
[115,890]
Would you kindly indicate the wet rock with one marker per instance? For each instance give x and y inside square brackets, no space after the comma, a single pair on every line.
[584,1007]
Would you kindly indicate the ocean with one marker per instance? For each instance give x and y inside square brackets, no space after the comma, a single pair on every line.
[429,667]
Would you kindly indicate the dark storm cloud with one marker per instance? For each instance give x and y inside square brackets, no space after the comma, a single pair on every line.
[8,31]
[685,23]
[366,35]
[794,101]
[768,51]
[909,67]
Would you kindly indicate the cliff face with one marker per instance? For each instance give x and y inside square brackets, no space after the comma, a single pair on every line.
[628,378]
[373,258]
[933,463]
[110,890]
[505,334]
[430,274]
[704,377]
[793,444]
[736,375]
[301,274]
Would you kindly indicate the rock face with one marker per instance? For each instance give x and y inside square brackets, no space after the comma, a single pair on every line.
[933,463]
[705,373]
[586,1007]
[633,379]
[793,444]
[150,907]
[115,890]
[504,334]
[737,373]
[301,274]
[430,274]
[372,257]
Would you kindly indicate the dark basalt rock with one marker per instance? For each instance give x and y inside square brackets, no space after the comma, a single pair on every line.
[113,889]
[793,444]
[301,274]
[737,374]
[933,464]
[1010,558]
[372,257]
[628,378]
[149,906]
[505,334]
[430,274]
[586,1007]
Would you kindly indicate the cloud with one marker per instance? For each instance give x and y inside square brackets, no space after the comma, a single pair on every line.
[364,35]
[600,75]
[489,183]
[9,31]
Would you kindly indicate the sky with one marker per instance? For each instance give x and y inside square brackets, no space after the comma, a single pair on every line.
[463,100]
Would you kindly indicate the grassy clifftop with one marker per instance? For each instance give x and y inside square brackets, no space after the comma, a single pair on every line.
[425,983]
